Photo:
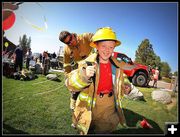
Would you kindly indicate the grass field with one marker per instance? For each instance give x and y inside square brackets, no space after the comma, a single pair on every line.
[41,107]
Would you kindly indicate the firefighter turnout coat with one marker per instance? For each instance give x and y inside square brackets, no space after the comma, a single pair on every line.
[85,113]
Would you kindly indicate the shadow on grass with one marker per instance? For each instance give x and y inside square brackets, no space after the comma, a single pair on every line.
[57,80]
[7,129]
[133,121]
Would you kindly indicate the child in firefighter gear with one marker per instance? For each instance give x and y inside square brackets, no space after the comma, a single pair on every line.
[98,107]
[130,91]
[77,48]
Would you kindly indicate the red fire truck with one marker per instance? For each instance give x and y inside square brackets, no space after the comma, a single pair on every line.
[139,75]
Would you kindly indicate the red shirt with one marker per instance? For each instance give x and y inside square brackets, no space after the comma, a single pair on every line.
[105,81]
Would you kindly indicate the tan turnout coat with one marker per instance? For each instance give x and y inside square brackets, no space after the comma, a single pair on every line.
[86,103]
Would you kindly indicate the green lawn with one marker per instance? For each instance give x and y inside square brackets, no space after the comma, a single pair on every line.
[41,106]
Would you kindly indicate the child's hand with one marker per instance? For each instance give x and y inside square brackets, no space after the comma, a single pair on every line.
[90,71]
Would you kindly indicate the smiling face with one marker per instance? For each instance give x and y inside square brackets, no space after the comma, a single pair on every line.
[105,50]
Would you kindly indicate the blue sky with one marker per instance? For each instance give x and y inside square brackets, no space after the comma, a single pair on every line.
[132,22]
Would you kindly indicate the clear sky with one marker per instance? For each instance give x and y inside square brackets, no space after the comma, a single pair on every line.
[132,22]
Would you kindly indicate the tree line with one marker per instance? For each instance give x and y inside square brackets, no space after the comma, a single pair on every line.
[145,55]
[25,43]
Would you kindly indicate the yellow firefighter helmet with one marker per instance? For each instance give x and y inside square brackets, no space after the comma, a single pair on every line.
[105,33]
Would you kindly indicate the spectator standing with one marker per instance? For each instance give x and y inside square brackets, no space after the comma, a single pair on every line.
[40,58]
[156,77]
[54,55]
[28,57]
[18,58]
[46,63]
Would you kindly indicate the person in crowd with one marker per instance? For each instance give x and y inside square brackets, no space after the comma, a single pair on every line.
[156,77]
[45,64]
[18,59]
[40,58]
[150,75]
[130,91]
[28,57]
[54,55]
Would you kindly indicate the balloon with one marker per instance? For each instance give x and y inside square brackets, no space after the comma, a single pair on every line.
[6,44]
[9,21]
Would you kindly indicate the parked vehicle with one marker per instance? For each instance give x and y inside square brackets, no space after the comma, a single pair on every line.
[140,75]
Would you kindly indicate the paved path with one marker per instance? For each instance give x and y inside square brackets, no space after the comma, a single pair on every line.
[162,85]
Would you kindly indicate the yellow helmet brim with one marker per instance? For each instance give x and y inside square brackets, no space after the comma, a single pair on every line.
[93,44]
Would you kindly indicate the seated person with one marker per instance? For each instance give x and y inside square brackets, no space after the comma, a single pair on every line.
[38,67]
[32,64]
[131,92]
[27,75]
